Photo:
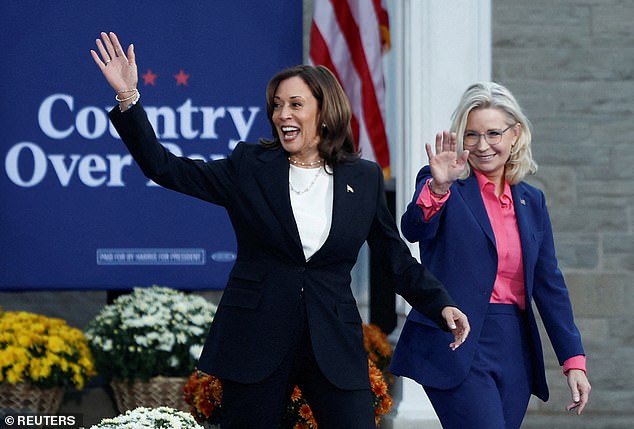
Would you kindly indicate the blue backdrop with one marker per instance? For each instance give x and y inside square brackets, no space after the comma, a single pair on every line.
[75,211]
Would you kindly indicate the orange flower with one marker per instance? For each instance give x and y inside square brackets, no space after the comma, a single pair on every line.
[305,412]
[377,345]
[296,395]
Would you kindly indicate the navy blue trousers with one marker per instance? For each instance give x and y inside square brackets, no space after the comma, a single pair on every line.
[262,405]
[497,389]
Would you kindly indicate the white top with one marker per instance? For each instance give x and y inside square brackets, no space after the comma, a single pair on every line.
[311,191]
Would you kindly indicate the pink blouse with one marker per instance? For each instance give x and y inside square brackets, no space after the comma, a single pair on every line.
[508,287]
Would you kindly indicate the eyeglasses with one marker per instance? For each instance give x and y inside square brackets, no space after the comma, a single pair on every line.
[492,137]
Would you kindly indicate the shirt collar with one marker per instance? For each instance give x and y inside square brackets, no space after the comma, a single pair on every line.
[484,182]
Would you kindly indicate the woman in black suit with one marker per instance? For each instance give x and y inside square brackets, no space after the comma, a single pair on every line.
[301,205]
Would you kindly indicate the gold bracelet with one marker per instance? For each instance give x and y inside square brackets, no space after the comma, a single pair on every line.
[127,90]
[131,97]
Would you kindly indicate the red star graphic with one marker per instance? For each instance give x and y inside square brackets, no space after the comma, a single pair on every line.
[181,78]
[149,78]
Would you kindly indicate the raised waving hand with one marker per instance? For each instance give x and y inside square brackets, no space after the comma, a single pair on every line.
[446,165]
[119,68]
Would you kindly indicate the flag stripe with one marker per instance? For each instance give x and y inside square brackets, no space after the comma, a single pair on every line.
[348,37]
[338,57]
[369,101]
[318,44]
[349,78]
[384,23]
[370,36]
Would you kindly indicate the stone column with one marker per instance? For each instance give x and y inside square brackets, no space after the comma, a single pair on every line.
[438,49]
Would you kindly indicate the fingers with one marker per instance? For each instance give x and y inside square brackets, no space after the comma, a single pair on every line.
[578,406]
[110,48]
[452,141]
[118,50]
[104,54]
[445,142]
[460,335]
[579,390]
[428,150]
[450,322]
[107,45]
[131,56]
[461,332]
[439,142]
[97,60]
[458,324]
[464,157]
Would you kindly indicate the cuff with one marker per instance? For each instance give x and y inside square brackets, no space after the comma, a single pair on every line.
[430,203]
[575,362]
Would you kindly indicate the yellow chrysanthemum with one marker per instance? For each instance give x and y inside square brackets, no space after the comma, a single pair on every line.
[56,345]
[14,375]
[32,346]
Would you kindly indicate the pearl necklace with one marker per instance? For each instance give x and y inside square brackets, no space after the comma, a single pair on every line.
[305,164]
[308,188]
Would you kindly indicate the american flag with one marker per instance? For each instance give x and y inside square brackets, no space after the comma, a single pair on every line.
[349,37]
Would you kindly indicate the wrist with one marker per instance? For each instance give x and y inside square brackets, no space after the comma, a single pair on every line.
[128,101]
[439,191]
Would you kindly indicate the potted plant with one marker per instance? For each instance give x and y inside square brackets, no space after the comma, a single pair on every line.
[40,357]
[379,349]
[147,342]
[203,392]
[150,418]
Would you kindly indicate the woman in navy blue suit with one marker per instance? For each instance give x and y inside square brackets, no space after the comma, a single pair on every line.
[487,236]
[301,204]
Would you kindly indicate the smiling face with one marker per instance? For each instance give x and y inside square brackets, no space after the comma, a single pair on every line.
[295,116]
[487,158]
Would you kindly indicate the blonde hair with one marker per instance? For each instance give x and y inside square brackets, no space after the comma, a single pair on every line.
[483,95]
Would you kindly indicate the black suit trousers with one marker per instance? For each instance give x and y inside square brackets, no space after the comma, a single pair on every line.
[262,405]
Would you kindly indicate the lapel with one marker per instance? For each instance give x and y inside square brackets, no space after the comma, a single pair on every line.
[521,203]
[470,192]
[272,178]
[348,192]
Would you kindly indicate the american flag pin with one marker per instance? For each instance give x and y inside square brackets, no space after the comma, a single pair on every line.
[523,202]
[349,189]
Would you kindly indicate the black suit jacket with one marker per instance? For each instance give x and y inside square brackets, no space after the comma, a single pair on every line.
[259,310]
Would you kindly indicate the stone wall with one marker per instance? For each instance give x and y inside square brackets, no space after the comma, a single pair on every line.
[571,66]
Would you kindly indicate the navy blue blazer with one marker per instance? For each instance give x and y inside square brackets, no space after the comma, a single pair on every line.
[260,307]
[458,247]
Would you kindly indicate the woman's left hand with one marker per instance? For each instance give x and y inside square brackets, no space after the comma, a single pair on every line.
[579,389]
[119,68]
[458,323]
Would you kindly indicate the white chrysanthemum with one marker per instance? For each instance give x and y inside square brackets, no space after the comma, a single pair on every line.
[195,350]
[107,345]
[166,341]
[150,418]
[195,330]
[142,340]
[199,319]
[165,325]
[174,361]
